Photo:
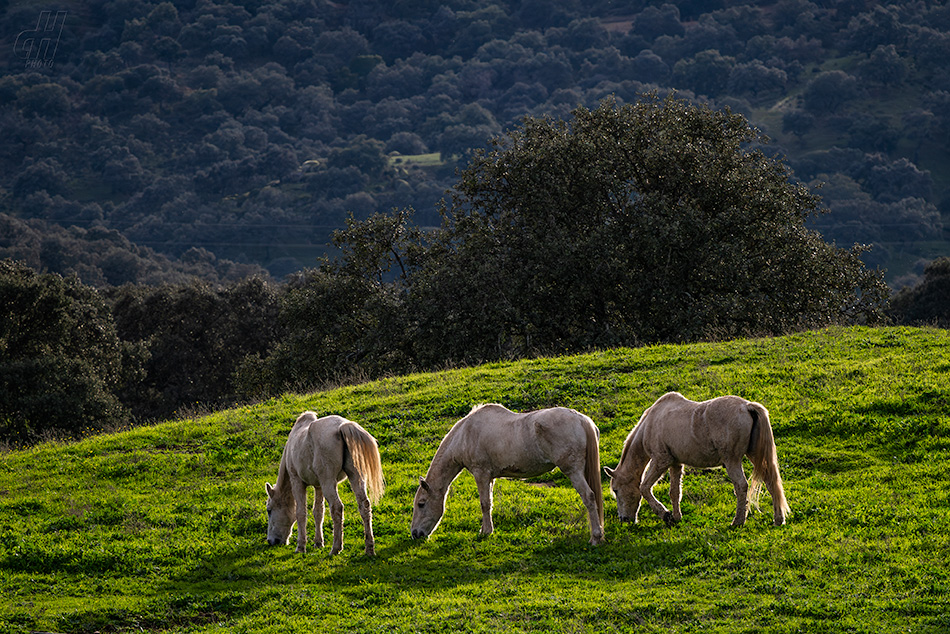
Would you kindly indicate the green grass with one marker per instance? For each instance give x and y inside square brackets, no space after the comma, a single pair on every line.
[162,528]
[433,159]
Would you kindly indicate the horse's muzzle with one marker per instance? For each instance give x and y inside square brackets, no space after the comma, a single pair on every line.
[271,541]
[418,534]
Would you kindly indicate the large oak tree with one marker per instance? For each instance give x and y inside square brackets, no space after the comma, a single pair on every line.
[654,221]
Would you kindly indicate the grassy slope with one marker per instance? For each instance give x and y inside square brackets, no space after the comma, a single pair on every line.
[163,528]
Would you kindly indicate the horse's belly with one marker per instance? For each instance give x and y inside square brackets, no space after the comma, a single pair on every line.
[526,470]
[695,455]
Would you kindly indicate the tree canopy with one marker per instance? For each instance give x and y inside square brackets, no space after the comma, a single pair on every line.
[654,221]
[62,363]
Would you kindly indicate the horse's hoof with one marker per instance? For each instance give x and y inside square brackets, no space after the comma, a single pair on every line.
[668,519]
[335,551]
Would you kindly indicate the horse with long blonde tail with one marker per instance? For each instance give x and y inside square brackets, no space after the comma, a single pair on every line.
[322,452]
[675,431]
[494,442]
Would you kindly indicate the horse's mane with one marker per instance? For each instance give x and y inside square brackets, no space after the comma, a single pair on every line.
[283,476]
[626,447]
[631,437]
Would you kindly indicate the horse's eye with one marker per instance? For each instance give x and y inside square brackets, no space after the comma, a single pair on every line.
[422,504]
[269,511]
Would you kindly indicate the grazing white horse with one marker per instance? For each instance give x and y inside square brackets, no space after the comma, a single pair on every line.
[322,452]
[494,442]
[675,431]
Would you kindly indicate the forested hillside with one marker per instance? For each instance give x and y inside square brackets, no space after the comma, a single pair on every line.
[203,136]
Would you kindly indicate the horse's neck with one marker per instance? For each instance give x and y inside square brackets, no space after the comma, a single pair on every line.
[633,455]
[282,487]
[446,465]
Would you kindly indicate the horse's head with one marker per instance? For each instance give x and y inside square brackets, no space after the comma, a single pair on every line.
[280,517]
[427,510]
[625,486]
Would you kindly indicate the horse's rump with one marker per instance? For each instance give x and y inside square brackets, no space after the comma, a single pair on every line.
[365,454]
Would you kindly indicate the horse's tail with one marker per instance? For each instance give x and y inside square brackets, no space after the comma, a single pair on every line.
[365,453]
[592,467]
[764,459]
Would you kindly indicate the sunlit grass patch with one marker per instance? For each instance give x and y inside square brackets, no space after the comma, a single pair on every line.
[163,528]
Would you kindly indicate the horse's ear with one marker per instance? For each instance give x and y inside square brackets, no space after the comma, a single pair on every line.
[610,472]
[269,489]
[424,484]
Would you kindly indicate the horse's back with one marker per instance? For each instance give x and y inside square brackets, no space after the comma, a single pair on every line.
[561,425]
[697,433]
[521,444]
[494,421]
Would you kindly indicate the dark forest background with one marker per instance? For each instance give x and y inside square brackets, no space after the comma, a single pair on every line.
[203,202]
[154,141]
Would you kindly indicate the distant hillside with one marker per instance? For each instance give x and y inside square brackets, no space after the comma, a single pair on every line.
[163,528]
[250,131]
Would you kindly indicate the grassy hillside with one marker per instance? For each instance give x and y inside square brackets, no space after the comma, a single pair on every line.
[163,528]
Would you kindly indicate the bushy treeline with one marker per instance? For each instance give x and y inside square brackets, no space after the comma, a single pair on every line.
[624,225]
[253,129]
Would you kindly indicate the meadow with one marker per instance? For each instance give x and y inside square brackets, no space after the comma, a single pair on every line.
[162,528]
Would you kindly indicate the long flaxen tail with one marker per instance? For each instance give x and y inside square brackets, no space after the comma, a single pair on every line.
[592,468]
[365,454]
[764,459]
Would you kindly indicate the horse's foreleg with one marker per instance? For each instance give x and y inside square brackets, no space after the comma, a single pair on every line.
[486,485]
[300,497]
[318,517]
[655,471]
[366,512]
[741,488]
[590,503]
[676,490]
[336,515]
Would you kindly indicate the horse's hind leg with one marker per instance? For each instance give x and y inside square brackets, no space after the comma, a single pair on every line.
[358,484]
[655,471]
[590,503]
[336,515]
[741,488]
[318,517]
[676,490]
